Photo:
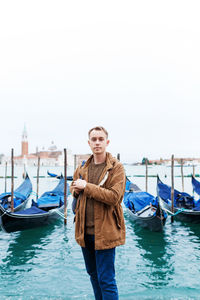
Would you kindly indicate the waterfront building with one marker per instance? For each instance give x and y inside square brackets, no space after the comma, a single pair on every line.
[50,157]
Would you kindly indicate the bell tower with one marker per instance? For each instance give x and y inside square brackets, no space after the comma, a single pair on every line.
[24,142]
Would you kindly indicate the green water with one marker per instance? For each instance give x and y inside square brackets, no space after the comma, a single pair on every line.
[46,263]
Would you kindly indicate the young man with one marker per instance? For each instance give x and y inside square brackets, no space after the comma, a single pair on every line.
[99,187]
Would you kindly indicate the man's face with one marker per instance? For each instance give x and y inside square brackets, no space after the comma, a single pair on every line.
[98,141]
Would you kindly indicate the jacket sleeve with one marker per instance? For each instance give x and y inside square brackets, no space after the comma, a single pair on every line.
[113,192]
[75,177]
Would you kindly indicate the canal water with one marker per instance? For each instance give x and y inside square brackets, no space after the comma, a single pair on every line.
[46,263]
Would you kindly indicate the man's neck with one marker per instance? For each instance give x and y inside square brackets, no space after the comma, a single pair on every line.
[99,159]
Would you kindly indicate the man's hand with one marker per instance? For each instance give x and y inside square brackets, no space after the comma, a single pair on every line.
[79,185]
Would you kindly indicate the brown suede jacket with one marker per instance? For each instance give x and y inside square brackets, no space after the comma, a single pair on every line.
[108,213]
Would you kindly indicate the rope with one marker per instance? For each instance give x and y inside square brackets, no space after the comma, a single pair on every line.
[176,213]
[61,214]
[3,214]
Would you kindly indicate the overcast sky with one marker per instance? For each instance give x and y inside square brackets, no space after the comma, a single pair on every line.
[130,66]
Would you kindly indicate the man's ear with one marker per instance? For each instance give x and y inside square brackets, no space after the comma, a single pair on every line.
[107,142]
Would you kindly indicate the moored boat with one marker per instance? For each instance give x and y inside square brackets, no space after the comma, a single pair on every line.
[20,196]
[70,178]
[143,208]
[53,175]
[45,211]
[196,187]
[186,208]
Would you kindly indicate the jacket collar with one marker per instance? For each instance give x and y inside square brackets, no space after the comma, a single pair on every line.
[109,161]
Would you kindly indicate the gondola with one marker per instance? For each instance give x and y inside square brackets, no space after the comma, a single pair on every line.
[45,211]
[70,178]
[143,208]
[186,208]
[20,196]
[196,187]
[53,175]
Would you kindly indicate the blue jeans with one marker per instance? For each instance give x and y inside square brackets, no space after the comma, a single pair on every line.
[100,266]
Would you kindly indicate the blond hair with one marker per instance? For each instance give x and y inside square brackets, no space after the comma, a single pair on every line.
[100,128]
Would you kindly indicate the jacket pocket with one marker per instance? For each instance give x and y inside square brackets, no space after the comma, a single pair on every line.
[117,218]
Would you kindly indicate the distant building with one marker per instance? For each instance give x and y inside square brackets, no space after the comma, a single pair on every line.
[78,158]
[50,157]
[2,157]
[177,161]
[24,143]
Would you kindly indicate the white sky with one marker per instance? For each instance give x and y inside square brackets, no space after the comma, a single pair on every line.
[130,66]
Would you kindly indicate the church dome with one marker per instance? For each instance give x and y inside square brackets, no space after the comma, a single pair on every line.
[52,147]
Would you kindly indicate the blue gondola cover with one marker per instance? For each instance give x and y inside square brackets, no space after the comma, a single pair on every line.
[137,200]
[31,211]
[181,199]
[20,194]
[196,185]
[54,198]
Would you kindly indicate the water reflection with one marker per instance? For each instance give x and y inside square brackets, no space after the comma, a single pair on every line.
[188,236]
[25,244]
[194,230]
[156,257]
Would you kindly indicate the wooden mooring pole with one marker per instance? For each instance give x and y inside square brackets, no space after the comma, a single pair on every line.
[182,176]
[24,173]
[6,166]
[65,187]
[172,187]
[38,173]
[146,174]
[118,156]
[12,180]
[75,162]
[193,167]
